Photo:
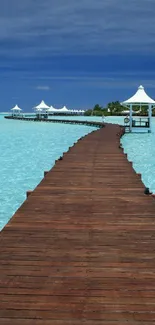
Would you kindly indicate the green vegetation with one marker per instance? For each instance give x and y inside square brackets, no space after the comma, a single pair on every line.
[96,111]
[115,108]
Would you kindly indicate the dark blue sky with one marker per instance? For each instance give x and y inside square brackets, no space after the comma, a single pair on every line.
[75,53]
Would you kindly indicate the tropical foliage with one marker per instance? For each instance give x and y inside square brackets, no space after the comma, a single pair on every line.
[115,108]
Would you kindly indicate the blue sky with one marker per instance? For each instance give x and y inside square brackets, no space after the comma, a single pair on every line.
[75,53]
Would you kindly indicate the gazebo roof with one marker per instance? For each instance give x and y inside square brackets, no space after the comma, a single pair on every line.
[42,105]
[64,109]
[52,109]
[16,108]
[140,97]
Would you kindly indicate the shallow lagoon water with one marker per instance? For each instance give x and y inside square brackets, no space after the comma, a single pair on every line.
[140,148]
[27,149]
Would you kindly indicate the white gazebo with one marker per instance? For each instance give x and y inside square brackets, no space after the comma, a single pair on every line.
[42,108]
[141,99]
[16,110]
[38,112]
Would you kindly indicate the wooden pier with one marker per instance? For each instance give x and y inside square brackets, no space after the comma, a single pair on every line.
[81,248]
[54,120]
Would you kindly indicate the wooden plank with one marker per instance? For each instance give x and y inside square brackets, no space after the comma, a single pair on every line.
[54,120]
[80,250]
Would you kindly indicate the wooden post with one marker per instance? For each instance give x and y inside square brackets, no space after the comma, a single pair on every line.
[150,117]
[130,117]
[28,193]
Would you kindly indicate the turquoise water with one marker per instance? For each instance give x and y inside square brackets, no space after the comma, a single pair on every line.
[27,149]
[140,149]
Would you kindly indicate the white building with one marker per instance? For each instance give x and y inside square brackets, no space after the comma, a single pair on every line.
[141,99]
[16,110]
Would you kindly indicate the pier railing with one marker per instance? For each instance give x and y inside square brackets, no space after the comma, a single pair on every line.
[143,122]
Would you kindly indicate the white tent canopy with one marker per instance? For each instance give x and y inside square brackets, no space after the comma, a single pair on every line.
[42,106]
[52,109]
[140,97]
[63,109]
[16,108]
[76,111]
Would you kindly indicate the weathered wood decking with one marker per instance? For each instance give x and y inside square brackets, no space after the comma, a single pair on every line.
[81,249]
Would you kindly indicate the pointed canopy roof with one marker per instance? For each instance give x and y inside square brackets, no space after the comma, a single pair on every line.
[16,108]
[52,109]
[140,97]
[64,109]
[42,105]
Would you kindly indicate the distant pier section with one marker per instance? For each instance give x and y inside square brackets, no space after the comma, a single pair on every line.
[34,118]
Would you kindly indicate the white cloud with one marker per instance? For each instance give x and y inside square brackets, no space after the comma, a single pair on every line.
[110,82]
[43,87]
